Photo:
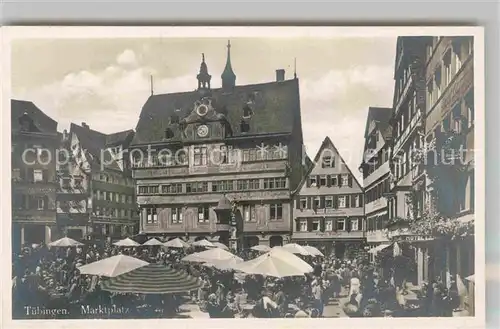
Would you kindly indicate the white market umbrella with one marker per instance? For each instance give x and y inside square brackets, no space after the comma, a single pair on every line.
[65,242]
[153,242]
[207,256]
[297,249]
[261,248]
[176,243]
[128,242]
[313,250]
[277,263]
[220,245]
[112,266]
[224,264]
[471,278]
[203,243]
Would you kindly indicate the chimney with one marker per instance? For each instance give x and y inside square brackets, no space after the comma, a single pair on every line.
[280,75]
[84,125]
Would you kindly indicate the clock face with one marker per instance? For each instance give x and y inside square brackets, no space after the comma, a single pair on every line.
[202,131]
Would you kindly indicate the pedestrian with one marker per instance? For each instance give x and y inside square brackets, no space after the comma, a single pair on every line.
[317,291]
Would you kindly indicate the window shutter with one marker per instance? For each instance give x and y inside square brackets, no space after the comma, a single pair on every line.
[308,203]
[328,180]
[322,224]
[335,202]
[361,204]
[45,174]
[322,202]
[297,225]
[353,201]
[297,202]
[350,180]
[347,201]
[45,202]
[318,185]
[339,180]
[308,182]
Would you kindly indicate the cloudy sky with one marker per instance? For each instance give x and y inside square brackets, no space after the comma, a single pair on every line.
[105,82]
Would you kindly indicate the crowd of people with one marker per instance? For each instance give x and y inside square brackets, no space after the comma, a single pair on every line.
[48,279]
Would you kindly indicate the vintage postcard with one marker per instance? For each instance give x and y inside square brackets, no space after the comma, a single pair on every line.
[243,173]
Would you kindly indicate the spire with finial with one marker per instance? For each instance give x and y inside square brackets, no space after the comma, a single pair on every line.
[228,76]
[203,77]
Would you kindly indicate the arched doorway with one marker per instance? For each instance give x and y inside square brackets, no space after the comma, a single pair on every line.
[250,241]
[275,240]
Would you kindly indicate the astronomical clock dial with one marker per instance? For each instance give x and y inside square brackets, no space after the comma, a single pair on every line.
[202,131]
[202,110]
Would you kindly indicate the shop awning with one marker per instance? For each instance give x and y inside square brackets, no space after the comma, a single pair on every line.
[378,248]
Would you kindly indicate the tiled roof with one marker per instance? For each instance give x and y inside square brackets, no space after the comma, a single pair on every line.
[96,142]
[275,107]
[381,115]
[119,137]
[41,121]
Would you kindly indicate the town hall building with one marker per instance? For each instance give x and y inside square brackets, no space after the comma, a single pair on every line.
[220,163]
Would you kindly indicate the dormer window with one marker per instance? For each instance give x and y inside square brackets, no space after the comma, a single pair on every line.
[174,119]
[247,112]
[244,126]
[169,133]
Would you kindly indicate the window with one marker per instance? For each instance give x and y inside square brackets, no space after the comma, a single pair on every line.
[322,180]
[177,215]
[329,202]
[242,185]
[329,225]
[274,183]
[457,118]
[342,201]
[276,211]
[457,59]
[303,203]
[151,216]
[197,187]
[117,197]
[335,181]
[78,182]
[247,112]
[200,156]
[355,224]
[223,185]
[340,224]
[430,95]
[315,226]
[357,202]
[303,226]
[317,203]
[38,175]
[111,196]
[469,103]
[328,162]
[124,198]
[447,67]
[345,180]
[172,188]
[249,213]
[244,127]
[66,183]
[203,214]
[313,181]
[40,203]
[224,154]
[254,184]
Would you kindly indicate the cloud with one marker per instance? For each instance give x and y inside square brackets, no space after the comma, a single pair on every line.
[336,105]
[127,58]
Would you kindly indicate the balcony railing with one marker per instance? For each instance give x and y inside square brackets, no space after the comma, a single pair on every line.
[379,172]
[329,235]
